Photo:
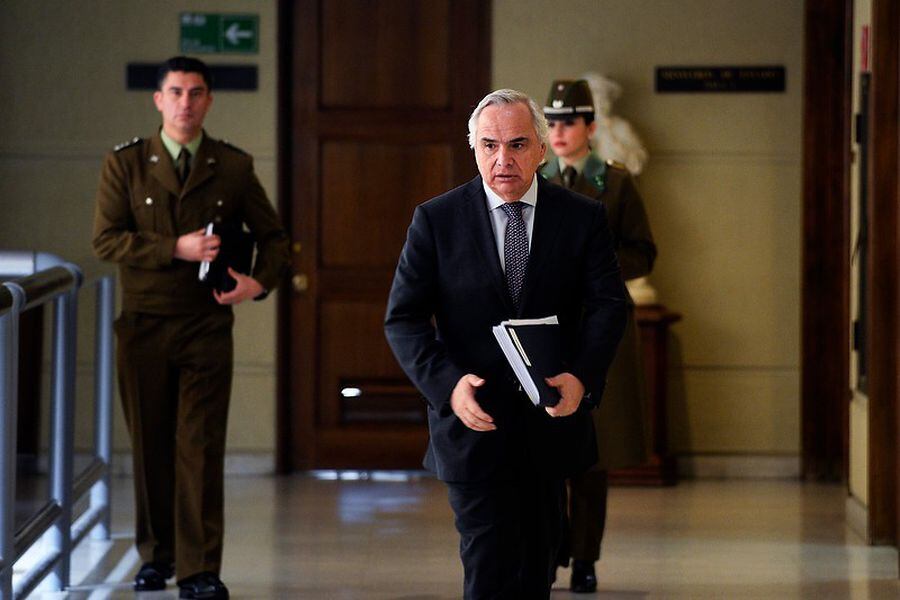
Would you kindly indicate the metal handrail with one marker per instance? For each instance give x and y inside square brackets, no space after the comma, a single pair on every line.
[44,278]
[47,285]
[12,302]
[40,522]
[6,301]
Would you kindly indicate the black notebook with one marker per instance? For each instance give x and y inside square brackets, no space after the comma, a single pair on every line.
[533,348]
[235,251]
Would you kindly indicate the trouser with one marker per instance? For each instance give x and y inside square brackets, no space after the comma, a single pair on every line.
[175,382]
[586,518]
[509,536]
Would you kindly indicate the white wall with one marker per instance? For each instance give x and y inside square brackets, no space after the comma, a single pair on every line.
[722,189]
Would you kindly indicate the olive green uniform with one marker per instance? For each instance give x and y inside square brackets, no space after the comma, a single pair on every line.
[619,420]
[175,352]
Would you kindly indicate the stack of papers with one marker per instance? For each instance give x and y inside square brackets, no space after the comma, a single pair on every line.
[533,349]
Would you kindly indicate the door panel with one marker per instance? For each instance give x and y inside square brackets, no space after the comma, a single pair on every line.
[375,100]
[362,224]
[385,53]
[347,364]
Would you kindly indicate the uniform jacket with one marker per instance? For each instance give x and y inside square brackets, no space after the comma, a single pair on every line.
[449,290]
[141,210]
[620,419]
[628,222]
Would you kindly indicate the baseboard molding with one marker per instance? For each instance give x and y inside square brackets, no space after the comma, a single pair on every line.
[738,466]
[857,517]
[694,466]
[236,464]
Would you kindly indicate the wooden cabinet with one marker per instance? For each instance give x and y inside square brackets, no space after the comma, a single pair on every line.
[653,323]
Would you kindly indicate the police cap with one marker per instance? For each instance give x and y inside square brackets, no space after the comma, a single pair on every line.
[568,99]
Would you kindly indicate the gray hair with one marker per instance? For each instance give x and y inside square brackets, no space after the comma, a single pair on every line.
[507,96]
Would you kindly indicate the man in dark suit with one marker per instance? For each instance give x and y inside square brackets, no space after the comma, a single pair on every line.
[505,245]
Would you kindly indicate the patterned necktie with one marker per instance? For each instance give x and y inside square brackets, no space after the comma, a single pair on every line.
[515,249]
[568,176]
[183,165]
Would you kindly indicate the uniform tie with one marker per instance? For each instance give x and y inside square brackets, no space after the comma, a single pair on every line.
[568,176]
[515,249]
[183,164]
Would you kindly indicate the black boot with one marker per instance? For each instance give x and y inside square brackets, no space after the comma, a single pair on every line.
[152,576]
[584,580]
[203,586]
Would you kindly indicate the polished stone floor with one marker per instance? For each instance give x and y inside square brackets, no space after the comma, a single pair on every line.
[392,538]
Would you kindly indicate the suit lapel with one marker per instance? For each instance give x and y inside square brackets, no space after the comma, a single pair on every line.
[478,220]
[202,166]
[162,169]
[548,217]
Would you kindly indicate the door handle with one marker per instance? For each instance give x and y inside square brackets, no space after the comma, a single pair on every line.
[300,283]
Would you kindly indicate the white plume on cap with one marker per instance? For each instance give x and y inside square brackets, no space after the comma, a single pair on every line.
[615,138]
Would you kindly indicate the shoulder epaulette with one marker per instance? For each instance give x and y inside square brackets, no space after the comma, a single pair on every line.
[616,165]
[128,144]
[233,147]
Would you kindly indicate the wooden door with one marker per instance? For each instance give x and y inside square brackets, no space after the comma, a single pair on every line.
[375,99]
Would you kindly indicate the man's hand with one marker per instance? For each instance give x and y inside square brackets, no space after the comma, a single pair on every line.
[197,246]
[246,287]
[571,391]
[464,405]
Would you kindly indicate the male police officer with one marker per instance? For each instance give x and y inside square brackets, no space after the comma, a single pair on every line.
[174,334]
[619,421]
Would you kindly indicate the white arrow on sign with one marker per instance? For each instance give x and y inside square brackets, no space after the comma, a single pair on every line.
[234,34]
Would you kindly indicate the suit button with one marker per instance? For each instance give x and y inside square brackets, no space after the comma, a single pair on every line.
[149,201]
[218,203]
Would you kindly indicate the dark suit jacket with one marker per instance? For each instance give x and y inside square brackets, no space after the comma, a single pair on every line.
[449,290]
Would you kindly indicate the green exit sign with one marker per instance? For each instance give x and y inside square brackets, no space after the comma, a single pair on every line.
[214,32]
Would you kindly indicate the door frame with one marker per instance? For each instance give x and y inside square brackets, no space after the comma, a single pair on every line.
[285,125]
[826,242]
[825,295]
[884,269]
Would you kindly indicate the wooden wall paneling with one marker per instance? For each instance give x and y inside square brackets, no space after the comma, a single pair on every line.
[826,239]
[884,349]
[419,39]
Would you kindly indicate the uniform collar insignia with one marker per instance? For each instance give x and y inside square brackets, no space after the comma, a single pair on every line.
[595,171]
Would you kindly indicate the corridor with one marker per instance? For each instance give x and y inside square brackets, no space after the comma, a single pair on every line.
[390,536]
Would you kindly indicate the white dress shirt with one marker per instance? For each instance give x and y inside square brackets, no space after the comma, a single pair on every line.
[499,218]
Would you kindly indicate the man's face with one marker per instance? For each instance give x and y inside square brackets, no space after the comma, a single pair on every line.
[570,138]
[183,102]
[507,149]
